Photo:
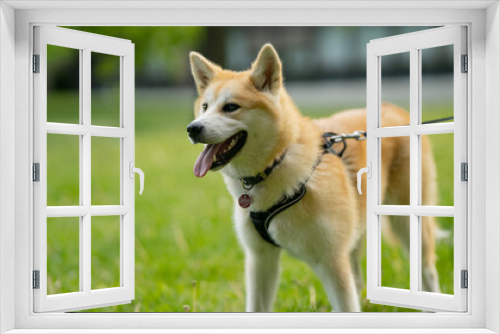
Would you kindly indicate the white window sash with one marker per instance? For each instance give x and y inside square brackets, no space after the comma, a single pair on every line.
[412,43]
[85,298]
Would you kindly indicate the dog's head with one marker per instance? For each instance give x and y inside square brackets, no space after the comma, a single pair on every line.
[237,114]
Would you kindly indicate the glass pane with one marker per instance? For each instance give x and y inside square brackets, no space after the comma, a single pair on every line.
[437,169]
[63,255]
[105,238]
[63,85]
[63,170]
[395,170]
[437,254]
[105,89]
[105,171]
[395,86]
[437,84]
[395,262]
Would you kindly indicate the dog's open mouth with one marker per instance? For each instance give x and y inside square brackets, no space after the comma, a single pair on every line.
[217,155]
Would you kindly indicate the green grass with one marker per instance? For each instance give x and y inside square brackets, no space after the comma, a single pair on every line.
[187,255]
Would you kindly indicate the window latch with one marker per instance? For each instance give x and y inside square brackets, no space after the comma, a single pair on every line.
[139,171]
[368,171]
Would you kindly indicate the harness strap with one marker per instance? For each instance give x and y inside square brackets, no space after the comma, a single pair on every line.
[262,219]
[328,144]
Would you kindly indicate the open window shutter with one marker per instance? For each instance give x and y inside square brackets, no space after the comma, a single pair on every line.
[414,43]
[84,214]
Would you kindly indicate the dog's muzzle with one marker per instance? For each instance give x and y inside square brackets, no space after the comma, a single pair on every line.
[194,130]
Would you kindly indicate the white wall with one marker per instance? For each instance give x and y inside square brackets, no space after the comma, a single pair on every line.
[7,170]
[492,165]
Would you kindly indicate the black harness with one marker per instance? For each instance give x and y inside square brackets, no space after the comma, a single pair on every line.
[262,219]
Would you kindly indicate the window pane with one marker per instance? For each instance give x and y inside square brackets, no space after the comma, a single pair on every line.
[105,171]
[395,262]
[105,252]
[63,255]
[63,165]
[63,85]
[395,86]
[105,89]
[437,254]
[437,169]
[395,170]
[437,83]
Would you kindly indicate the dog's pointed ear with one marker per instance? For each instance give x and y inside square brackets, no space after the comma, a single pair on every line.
[202,69]
[266,70]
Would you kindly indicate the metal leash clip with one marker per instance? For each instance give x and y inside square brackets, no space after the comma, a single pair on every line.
[332,138]
[358,135]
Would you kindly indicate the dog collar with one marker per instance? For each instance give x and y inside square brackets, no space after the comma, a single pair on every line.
[250,181]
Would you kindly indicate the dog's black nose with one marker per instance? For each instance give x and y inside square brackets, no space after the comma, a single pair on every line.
[194,129]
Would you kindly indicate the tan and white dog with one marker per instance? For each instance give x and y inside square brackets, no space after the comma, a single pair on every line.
[248,121]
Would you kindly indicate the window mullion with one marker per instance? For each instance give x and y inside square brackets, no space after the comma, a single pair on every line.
[85,166]
[373,156]
[414,168]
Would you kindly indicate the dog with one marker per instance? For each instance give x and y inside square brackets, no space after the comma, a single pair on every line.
[253,131]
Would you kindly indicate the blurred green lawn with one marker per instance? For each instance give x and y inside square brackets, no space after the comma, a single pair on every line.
[187,257]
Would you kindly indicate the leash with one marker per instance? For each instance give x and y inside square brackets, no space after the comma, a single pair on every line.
[332,138]
[439,120]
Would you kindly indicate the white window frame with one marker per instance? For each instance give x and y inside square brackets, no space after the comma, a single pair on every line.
[16,21]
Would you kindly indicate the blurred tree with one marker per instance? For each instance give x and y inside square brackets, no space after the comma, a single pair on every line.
[156,53]
[214,45]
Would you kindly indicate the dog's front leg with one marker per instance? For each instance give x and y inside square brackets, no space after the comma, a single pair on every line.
[262,275]
[339,283]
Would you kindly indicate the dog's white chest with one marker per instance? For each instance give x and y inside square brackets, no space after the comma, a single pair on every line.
[290,229]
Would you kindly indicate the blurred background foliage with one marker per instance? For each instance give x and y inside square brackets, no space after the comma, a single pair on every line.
[308,53]
[160,53]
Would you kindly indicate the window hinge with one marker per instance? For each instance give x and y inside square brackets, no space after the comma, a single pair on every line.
[464,172]
[36,63]
[36,279]
[464,279]
[36,172]
[465,64]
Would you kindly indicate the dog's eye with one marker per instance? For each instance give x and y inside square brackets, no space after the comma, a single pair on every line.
[204,106]
[230,107]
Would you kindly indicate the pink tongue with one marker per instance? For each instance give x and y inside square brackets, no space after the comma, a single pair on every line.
[204,161]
